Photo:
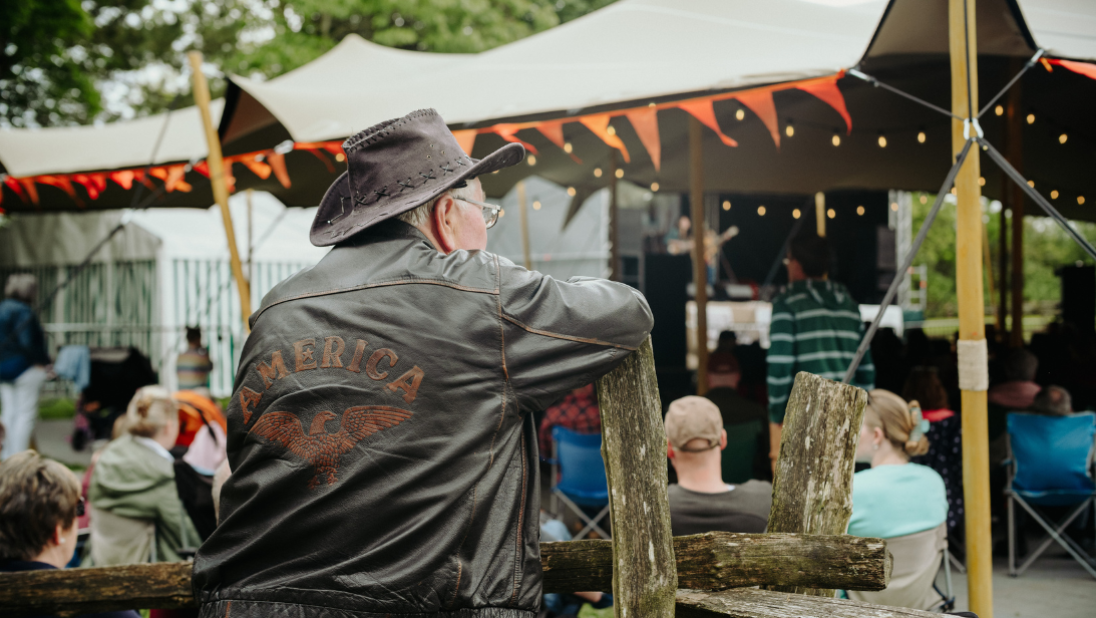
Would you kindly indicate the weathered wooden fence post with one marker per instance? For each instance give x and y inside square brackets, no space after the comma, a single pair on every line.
[633,444]
[812,490]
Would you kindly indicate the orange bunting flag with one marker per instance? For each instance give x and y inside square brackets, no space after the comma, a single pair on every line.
[466,139]
[202,167]
[257,167]
[14,185]
[63,183]
[508,132]
[94,184]
[31,189]
[554,132]
[760,102]
[827,90]
[277,164]
[1084,68]
[599,125]
[123,178]
[645,123]
[703,111]
[176,179]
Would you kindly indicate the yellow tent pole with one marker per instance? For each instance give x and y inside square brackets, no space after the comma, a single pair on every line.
[968,282]
[217,179]
[820,213]
[700,265]
[523,210]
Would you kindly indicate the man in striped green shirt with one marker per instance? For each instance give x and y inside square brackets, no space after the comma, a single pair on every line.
[815,328]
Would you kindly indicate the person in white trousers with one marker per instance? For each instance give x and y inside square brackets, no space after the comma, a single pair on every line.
[23,360]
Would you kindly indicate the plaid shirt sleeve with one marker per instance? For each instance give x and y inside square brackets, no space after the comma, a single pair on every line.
[781,359]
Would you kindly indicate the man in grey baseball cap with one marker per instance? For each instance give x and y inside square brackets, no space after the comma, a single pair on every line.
[700,501]
[383,453]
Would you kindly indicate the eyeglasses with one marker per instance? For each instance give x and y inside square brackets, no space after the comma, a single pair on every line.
[490,211]
[80,508]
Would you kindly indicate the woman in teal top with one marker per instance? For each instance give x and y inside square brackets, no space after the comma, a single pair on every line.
[895,497]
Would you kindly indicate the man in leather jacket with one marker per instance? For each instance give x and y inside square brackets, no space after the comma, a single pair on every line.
[383,455]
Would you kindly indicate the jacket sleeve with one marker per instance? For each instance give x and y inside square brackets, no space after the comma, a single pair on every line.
[560,335]
[781,359]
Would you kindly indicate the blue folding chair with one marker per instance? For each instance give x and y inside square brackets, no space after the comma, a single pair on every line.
[1050,465]
[578,477]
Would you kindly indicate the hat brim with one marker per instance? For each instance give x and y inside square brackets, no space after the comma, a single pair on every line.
[338,193]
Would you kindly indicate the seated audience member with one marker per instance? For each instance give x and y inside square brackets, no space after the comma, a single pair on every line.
[1016,393]
[700,501]
[578,412]
[894,497]
[1053,401]
[945,454]
[138,512]
[899,500]
[39,505]
[746,422]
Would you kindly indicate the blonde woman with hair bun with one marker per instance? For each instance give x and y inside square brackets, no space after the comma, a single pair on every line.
[132,489]
[895,497]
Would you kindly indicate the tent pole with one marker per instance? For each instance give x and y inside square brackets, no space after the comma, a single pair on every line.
[523,210]
[820,213]
[964,103]
[1002,265]
[1014,135]
[700,265]
[217,179]
[614,218]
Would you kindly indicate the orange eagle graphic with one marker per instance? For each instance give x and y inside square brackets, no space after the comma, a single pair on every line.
[322,449]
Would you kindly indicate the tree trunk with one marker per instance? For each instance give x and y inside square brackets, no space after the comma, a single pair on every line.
[812,490]
[750,603]
[633,445]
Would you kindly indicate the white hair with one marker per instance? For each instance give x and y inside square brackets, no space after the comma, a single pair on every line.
[419,215]
[22,286]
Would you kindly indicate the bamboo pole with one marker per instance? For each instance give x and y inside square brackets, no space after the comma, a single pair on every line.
[700,265]
[614,218]
[217,180]
[968,282]
[523,210]
[820,213]
[1014,150]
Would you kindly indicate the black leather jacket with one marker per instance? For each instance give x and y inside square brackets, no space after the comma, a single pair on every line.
[384,461]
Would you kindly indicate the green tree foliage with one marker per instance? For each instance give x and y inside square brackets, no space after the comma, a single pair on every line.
[1046,248]
[72,61]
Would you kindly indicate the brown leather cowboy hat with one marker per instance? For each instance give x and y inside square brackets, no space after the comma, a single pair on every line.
[395,166]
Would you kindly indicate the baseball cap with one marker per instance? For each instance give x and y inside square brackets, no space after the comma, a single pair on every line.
[690,418]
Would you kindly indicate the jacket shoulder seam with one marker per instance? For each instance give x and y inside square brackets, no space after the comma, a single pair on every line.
[366,286]
[546,333]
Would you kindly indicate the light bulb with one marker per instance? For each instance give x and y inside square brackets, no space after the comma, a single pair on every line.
[831,213]
[536,205]
[532,160]
[726,204]
[571,191]
[882,141]
[1062,138]
[789,130]
[999,110]
[654,186]
[796,214]
[860,210]
[740,114]
[981,181]
[1031,183]
[1054,194]
[597,172]
[921,137]
[340,157]
[894,206]
[1031,118]
[836,140]
[924,199]
[610,130]
[620,173]
[761,211]
[567,147]
[1080,199]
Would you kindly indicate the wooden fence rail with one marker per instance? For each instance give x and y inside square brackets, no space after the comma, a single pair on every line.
[711,562]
